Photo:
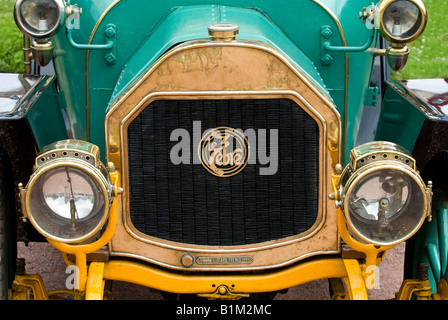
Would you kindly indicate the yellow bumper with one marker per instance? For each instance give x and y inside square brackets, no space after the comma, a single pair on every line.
[212,286]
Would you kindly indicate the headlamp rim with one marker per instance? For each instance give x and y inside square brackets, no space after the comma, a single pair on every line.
[21,24]
[93,172]
[381,10]
[362,172]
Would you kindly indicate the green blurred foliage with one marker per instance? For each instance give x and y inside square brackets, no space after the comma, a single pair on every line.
[11,40]
[429,53]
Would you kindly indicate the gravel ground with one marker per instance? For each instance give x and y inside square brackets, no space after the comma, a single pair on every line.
[43,259]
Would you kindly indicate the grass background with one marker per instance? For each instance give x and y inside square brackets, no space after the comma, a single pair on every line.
[11,40]
[428,57]
[429,53]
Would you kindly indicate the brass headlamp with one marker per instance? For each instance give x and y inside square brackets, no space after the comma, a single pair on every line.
[400,22]
[39,20]
[68,197]
[383,198]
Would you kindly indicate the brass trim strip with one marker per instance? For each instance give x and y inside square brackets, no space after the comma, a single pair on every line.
[228,266]
[344,42]
[95,28]
[27,54]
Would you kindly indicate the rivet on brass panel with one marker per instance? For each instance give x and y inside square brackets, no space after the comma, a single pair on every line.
[187,260]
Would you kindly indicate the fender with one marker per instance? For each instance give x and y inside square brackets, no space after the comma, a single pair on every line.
[415,115]
[35,100]
[27,103]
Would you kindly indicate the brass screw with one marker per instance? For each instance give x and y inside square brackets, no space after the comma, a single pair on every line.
[187,260]
[338,168]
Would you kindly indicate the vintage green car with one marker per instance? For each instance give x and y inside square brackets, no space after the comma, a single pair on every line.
[214,148]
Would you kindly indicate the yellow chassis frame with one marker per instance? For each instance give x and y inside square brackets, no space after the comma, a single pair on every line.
[91,277]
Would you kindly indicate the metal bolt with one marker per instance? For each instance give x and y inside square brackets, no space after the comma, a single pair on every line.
[187,260]
[110,58]
[326,32]
[222,290]
[423,271]
[338,168]
[110,166]
[110,32]
[326,60]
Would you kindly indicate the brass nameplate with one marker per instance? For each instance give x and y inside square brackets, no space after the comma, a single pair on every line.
[225,260]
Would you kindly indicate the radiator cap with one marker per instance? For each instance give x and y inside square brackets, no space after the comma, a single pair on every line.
[223,31]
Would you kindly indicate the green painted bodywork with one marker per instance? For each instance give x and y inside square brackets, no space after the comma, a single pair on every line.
[432,240]
[145,30]
[39,101]
[400,120]
[45,117]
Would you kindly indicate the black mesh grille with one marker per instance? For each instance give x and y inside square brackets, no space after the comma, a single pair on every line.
[187,204]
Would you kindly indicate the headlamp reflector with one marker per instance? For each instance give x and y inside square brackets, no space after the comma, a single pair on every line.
[385,205]
[383,198]
[68,197]
[66,188]
[401,21]
[39,18]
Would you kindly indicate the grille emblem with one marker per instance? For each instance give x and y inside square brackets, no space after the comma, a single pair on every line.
[224,151]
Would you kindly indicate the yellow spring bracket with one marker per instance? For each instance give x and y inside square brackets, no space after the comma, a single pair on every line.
[90,278]
[372,252]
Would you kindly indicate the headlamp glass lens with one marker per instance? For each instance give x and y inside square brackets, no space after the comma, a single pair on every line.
[386,206]
[69,189]
[39,16]
[402,19]
[66,202]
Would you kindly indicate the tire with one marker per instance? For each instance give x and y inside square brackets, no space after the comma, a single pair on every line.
[6,216]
